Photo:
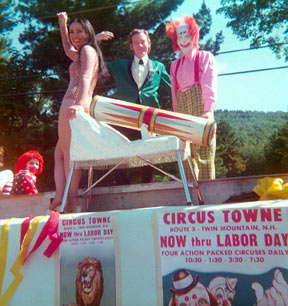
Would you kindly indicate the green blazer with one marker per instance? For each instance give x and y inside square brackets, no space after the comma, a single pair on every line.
[127,89]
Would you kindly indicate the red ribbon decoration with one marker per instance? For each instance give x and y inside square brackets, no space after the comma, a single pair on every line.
[49,230]
[24,228]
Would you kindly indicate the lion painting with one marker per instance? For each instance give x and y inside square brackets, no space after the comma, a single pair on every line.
[89,283]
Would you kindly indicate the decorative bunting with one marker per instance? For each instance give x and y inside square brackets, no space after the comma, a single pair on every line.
[15,270]
[28,230]
[24,228]
[3,250]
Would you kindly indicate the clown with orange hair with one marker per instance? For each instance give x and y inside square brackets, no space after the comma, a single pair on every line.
[27,167]
[194,87]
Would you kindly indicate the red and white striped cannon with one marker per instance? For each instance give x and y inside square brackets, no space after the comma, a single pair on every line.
[121,113]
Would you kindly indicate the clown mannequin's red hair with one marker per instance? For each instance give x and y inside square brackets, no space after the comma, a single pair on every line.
[193,30]
[25,157]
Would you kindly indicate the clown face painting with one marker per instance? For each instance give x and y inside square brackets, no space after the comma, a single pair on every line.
[189,292]
[33,166]
[197,296]
[223,288]
[184,40]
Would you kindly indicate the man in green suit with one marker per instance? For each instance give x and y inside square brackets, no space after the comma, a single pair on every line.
[140,83]
[139,80]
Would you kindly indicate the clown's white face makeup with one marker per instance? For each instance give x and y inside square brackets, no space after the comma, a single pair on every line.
[33,165]
[184,40]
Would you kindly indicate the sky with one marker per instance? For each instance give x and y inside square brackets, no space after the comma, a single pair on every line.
[258,91]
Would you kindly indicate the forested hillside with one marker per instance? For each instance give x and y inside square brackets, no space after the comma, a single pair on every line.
[255,133]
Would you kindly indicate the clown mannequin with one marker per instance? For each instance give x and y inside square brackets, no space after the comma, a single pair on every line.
[193,82]
[27,167]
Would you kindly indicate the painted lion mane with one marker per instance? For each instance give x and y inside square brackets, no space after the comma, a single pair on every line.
[89,282]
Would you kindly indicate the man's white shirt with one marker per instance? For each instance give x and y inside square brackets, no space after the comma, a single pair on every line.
[140,71]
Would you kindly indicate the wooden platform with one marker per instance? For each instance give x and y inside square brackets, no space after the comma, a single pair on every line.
[135,196]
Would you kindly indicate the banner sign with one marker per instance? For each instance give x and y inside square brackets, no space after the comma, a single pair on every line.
[87,259]
[212,255]
[224,255]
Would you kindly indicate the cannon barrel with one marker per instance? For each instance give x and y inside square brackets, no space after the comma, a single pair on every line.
[197,130]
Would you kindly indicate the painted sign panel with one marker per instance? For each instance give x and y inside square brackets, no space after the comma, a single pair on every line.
[224,255]
[87,259]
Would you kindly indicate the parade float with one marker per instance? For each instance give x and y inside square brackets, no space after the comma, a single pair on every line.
[146,244]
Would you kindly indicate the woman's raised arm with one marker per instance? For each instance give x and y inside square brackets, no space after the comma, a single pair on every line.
[69,49]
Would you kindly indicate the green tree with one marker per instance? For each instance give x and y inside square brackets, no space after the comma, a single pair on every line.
[116,16]
[5,25]
[204,20]
[6,14]
[261,21]
[41,36]
[35,80]
[254,130]
[228,150]
[26,121]
[220,168]
[276,151]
